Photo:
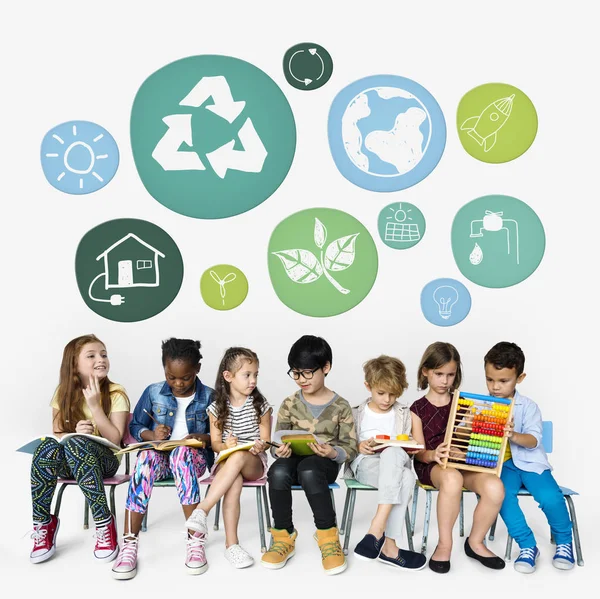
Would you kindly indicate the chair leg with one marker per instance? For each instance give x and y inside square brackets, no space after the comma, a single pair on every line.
[145,521]
[426,522]
[217,514]
[461,516]
[333,504]
[576,538]
[86,515]
[261,520]
[508,552]
[414,509]
[407,524]
[267,508]
[345,512]
[349,517]
[493,530]
[113,509]
[59,499]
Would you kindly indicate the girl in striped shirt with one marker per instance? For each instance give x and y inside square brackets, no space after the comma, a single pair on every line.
[239,413]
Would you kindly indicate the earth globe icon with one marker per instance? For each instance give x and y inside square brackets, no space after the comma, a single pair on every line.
[386,131]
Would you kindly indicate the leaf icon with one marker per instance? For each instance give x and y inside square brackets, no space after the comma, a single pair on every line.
[340,253]
[301,266]
[320,233]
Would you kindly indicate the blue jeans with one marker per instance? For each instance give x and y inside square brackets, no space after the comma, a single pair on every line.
[546,492]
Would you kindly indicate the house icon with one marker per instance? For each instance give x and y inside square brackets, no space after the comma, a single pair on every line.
[130,262]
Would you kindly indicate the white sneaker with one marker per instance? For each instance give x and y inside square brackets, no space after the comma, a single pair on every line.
[238,557]
[197,521]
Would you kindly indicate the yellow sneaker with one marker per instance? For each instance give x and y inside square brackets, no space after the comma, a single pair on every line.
[283,546]
[333,558]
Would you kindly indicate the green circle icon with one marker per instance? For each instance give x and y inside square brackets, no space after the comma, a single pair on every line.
[496,122]
[401,225]
[128,270]
[223,287]
[307,66]
[212,136]
[322,262]
[497,241]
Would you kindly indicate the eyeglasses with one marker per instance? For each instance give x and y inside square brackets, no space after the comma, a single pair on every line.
[305,374]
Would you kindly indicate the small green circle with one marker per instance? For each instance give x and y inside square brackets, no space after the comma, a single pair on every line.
[307,66]
[212,136]
[401,225]
[223,287]
[322,262]
[128,269]
[497,241]
[496,122]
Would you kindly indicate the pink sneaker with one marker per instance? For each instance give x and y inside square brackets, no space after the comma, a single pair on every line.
[195,560]
[126,566]
[107,547]
[44,540]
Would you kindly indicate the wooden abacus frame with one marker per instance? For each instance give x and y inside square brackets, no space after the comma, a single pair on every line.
[459,430]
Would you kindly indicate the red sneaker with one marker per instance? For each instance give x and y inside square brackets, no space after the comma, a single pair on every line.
[44,540]
[107,546]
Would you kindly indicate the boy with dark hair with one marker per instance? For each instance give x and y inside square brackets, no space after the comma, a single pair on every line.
[319,410]
[526,464]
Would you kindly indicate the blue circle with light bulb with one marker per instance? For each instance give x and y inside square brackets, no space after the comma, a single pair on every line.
[445,302]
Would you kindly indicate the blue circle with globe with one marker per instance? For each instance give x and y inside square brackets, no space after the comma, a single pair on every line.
[386,132]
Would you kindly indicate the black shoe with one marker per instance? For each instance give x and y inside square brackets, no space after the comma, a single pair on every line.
[441,567]
[407,560]
[369,547]
[495,563]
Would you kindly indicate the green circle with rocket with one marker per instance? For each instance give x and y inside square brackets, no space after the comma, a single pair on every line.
[496,122]
[497,241]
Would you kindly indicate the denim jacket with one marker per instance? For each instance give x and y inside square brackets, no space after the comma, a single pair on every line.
[159,401]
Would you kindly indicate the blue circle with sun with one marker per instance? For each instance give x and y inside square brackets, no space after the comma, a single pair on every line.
[79,157]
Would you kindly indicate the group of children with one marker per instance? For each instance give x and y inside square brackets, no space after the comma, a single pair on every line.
[235,412]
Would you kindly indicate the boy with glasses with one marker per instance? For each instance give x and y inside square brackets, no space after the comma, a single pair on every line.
[319,410]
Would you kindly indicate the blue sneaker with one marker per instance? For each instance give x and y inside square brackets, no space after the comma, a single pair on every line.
[563,558]
[525,563]
[369,547]
[407,560]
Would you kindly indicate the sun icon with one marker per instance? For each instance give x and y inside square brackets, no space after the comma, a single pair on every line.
[400,215]
[79,157]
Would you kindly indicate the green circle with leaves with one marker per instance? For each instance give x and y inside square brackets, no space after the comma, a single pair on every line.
[497,241]
[322,262]
[496,122]
[128,269]
[401,225]
[223,287]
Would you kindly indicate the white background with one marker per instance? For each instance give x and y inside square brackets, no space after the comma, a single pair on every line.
[81,60]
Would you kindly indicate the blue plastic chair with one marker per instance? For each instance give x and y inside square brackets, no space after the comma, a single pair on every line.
[547,442]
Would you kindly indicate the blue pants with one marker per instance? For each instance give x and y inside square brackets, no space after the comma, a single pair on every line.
[546,492]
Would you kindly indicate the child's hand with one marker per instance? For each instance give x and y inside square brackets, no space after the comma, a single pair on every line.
[92,394]
[259,447]
[161,432]
[457,453]
[231,441]
[365,447]
[284,450]
[441,452]
[509,428]
[85,427]
[323,449]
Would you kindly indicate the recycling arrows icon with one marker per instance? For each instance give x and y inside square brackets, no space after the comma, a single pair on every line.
[167,153]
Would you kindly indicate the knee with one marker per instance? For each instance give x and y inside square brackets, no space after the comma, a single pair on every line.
[551,499]
[279,477]
[396,454]
[493,489]
[312,481]
[451,481]
[74,445]
[147,457]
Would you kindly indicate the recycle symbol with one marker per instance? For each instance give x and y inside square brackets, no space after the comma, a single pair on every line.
[167,153]
[306,80]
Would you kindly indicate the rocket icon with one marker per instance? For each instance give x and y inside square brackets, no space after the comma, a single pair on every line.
[484,128]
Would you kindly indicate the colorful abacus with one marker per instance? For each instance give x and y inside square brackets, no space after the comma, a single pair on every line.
[475,432]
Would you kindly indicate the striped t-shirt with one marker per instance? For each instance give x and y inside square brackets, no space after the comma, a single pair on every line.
[241,421]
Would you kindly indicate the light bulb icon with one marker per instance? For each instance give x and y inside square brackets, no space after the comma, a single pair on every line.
[445,297]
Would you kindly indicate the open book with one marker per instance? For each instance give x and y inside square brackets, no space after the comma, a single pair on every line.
[298,440]
[223,455]
[166,445]
[381,442]
[32,445]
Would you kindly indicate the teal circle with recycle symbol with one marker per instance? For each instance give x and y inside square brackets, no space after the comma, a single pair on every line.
[212,136]
[79,157]
[386,133]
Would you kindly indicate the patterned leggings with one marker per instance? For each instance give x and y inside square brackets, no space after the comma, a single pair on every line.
[184,464]
[84,460]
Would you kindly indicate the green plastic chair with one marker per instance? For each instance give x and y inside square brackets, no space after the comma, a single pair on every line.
[352,486]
